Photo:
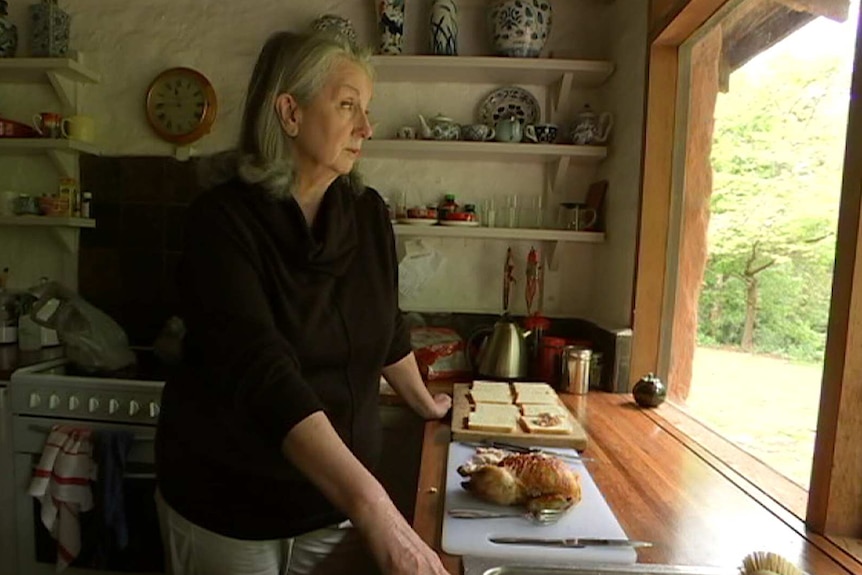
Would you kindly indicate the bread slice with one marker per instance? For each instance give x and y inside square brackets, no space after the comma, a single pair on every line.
[487,418]
[524,398]
[499,409]
[546,424]
[532,387]
[532,409]
[490,392]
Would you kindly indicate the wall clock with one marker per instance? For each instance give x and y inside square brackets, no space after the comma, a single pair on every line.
[181,105]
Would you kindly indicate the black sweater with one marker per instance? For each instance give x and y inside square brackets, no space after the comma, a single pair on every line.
[282,321]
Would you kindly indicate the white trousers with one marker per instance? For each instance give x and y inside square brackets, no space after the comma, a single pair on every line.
[193,550]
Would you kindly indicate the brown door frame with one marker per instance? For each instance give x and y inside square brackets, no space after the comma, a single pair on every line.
[835,494]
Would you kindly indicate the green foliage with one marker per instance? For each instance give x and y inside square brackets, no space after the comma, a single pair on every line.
[777,158]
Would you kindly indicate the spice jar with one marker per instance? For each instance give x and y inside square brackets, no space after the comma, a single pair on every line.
[447,206]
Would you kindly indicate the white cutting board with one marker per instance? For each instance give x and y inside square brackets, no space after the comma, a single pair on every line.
[590,518]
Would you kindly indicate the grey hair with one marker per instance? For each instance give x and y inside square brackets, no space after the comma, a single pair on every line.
[288,63]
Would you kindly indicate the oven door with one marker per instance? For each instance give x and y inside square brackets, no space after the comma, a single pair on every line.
[37,549]
[7,487]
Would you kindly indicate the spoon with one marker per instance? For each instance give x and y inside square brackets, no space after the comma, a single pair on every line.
[540,516]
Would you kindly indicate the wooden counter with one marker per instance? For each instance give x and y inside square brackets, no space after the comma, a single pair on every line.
[662,488]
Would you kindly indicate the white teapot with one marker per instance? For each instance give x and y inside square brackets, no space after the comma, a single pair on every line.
[439,127]
[591,128]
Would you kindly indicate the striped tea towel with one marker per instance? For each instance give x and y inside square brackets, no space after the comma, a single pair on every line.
[61,483]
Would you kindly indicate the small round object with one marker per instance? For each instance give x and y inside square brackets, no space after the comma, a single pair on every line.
[181,105]
[649,391]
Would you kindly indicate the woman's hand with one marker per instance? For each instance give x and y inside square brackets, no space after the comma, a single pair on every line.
[441,406]
[397,549]
[405,378]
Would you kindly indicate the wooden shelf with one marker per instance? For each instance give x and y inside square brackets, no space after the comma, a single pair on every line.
[491,70]
[38,70]
[47,221]
[525,234]
[458,150]
[43,145]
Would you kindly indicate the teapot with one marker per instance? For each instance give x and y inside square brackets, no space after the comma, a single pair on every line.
[508,130]
[590,127]
[503,354]
[439,127]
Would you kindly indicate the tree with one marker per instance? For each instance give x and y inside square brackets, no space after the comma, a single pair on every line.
[777,159]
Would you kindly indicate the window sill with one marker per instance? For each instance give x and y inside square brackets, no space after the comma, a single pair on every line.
[782,497]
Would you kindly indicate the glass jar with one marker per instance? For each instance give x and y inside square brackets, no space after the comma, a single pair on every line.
[447,206]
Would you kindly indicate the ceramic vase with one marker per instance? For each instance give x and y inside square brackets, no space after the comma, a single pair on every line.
[444,28]
[390,23]
[337,27]
[8,33]
[49,29]
[519,28]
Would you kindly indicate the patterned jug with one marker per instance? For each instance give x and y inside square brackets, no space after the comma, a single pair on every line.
[49,29]
[519,28]
[444,28]
[8,33]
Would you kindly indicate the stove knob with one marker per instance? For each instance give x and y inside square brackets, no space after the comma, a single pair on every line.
[134,407]
[35,400]
[54,401]
[93,404]
[154,409]
[113,406]
[74,403]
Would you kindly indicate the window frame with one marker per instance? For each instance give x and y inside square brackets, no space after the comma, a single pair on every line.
[835,495]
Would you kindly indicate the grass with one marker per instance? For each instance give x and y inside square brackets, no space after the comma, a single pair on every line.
[766,405]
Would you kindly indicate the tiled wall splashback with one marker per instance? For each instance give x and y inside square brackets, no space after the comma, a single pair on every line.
[127,263]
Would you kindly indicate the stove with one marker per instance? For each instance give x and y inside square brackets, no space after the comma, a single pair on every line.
[57,389]
[56,393]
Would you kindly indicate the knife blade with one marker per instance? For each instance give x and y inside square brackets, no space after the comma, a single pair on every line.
[524,449]
[571,542]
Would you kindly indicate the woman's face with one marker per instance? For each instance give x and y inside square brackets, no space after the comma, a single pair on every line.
[332,127]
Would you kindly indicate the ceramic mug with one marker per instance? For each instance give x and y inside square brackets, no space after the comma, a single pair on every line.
[541,133]
[508,130]
[48,124]
[406,133]
[477,132]
[578,216]
[81,128]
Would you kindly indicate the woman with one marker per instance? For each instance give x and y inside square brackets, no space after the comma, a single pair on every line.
[289,292]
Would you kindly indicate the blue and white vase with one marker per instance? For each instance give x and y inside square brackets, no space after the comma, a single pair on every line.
[8,33]
[49,29]
[519,28]
[390,23]
[444,27]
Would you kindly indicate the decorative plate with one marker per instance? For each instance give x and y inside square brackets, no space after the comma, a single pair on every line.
[460,223]
[418,221]
[504,102]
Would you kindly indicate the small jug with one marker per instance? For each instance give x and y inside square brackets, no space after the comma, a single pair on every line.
[578,216]
[591,128]
[508,130]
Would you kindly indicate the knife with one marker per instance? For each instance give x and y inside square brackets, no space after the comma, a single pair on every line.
[573,542]
[523,449]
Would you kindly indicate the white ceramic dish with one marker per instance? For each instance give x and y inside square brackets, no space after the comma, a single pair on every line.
[417,221]
[507,101]
[461,223]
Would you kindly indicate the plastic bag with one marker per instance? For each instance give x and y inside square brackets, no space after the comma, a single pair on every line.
[439,352]
[94,342]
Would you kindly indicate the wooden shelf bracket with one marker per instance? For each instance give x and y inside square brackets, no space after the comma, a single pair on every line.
[559,95]
[66,89]
[65,160]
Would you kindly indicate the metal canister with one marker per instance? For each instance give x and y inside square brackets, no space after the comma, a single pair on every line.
[575,376]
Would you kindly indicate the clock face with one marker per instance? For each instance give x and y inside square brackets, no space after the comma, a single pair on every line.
[181,105]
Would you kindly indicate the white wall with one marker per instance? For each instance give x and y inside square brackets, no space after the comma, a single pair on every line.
[130,42]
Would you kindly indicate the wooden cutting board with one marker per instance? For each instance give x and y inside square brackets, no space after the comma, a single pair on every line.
[577,439]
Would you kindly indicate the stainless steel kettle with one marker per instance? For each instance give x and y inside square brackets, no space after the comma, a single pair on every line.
[503,354]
